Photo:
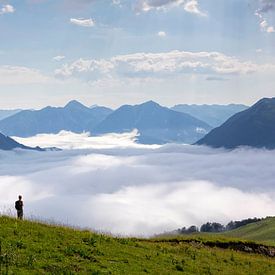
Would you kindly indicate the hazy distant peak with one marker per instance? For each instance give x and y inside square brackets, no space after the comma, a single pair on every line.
[150,103]
[98,107]
[213,114]
[74,117]
[74,104]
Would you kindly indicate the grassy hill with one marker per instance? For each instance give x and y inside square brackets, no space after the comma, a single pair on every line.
[36,248]
[262,231]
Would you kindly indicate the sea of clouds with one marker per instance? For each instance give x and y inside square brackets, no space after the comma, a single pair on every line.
[114,185]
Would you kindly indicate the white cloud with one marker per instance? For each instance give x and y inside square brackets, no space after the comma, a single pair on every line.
[68,140]
[161,34]
[83,22]
[153,209]
[265,27]
[190,6]
[59,57]
[122,187]
[266,6]
[7,9]
[116,2]
[193,7]
[270,29]
[169,64]
[15,75]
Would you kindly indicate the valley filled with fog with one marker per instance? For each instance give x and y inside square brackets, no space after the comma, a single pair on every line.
[112,184]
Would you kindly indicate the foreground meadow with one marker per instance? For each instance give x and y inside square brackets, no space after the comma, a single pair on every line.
[35,248]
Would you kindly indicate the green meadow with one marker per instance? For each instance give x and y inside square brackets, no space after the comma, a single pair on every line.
[35,248]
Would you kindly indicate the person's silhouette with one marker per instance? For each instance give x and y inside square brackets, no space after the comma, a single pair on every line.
[19,207]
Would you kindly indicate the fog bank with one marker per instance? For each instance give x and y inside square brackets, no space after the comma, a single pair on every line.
[112,184]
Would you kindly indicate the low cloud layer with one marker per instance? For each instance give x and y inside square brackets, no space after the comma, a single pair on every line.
[131,189]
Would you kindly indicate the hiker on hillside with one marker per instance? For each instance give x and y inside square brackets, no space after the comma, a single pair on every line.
[19,207]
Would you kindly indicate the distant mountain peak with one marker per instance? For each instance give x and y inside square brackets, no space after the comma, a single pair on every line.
[74,117]
[150,104]
[74,104]
[155,124]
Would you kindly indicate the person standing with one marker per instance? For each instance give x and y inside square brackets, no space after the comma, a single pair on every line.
[19,207]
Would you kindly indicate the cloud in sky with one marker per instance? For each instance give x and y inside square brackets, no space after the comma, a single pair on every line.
[83,22]
[59,57]
[160,65]
[7,9]
[162,34]
[265,26]
[266,6]
[191,6]
[135,189]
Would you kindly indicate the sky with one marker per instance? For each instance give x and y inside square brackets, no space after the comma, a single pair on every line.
[112,184]
[115,52]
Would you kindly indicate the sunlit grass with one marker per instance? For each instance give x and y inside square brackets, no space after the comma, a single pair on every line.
[263,231]
[35,248]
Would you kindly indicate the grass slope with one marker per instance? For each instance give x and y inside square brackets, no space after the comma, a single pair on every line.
[262,231]
[35,248]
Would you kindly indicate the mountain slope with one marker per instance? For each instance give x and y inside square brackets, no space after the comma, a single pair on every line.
[73,117]
[156,124]
[253,127]
[213,115]
[262,231]
[7,143]
[7,113]
[36,248]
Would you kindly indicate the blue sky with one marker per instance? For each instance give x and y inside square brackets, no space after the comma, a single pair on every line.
[112,52]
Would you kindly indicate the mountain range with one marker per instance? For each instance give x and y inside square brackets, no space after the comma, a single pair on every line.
[253,127]
[73,117]
[155,123]
[214,115]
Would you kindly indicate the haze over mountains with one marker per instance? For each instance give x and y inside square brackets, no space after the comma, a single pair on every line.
[253,127]
[214,115]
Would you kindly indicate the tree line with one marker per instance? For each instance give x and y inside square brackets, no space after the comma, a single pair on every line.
[216,227]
